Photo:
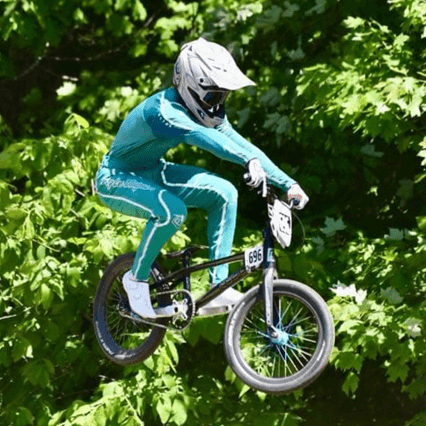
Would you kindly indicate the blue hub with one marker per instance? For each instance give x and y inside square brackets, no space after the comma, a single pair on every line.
[282,339]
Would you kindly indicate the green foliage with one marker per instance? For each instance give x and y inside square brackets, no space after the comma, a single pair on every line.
[372,89]
[339,105]
[379,328]
[414,13]
[55,237]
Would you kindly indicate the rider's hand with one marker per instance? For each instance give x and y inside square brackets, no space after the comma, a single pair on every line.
[296,192]
[256,175]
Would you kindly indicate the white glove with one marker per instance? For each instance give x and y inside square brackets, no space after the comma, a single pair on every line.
[295,191]
[256,175]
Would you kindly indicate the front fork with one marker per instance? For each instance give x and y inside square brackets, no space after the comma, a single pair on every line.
[269,274]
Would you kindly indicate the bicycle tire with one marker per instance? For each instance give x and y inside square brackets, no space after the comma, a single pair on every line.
[103,306]
[245,352]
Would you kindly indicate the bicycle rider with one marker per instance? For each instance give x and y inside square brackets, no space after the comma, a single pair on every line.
[134,179]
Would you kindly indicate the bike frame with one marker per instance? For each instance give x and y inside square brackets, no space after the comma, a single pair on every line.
[269,273]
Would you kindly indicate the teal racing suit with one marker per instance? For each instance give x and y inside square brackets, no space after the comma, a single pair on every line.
[134,179]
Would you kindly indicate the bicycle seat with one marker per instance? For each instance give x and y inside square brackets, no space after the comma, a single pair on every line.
[188,251]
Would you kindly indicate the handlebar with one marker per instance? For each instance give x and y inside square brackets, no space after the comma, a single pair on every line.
[270,194]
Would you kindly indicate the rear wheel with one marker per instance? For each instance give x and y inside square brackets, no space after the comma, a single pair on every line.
[124,340]
[299,351]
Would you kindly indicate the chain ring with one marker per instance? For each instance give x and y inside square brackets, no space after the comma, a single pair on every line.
[190,313]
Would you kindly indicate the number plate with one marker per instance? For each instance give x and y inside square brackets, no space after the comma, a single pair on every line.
[253,257]
[281,224]
[285,225]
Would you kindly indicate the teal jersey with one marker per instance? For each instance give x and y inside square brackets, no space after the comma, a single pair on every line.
[162,121]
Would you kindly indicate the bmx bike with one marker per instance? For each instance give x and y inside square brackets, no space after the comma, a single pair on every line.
[278,338]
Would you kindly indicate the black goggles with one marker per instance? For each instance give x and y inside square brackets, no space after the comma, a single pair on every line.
[214,98]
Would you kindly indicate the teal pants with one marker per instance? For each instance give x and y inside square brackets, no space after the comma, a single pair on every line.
[162,195]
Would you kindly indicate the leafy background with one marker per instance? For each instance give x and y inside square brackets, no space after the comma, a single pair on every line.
[339,105]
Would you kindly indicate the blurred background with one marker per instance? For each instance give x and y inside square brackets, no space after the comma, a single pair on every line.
[339,106]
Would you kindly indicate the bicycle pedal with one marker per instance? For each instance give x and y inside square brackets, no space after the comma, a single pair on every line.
[214,310]
[167,311]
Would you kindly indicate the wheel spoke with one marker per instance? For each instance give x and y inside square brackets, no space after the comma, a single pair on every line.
[286,310]
[292,324]
[308,331]
[253,335]
[273,367]
[291,360]
[259,316]
[305,348]
[117,328]
[294,318]
[284,356]
[295,350]
[305,339]
[304,354]
[115,319]
[252,323]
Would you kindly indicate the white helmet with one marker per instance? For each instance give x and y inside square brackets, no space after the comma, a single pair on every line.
[204,72]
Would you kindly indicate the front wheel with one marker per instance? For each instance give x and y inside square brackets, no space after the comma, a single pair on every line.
[298,352]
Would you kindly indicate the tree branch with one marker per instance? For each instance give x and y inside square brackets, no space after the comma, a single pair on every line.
[33,65]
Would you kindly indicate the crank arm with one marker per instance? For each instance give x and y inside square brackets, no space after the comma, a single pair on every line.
[138,319]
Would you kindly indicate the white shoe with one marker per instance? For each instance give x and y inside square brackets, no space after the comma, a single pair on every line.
[138,294]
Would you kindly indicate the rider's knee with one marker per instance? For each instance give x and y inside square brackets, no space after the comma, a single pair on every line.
[174,211]
[178,215]
[229,192]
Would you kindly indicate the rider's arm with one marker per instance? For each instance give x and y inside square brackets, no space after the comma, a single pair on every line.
[222,141]
[275,175]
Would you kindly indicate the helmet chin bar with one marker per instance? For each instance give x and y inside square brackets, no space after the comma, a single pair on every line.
[219,113]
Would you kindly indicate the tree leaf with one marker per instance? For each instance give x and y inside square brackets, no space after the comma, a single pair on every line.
[139,11]
[46,296]
[421,223]
[350,384]
[81,121]
[21,348]
[179,412]
[164,409]
[332,226]
[371,151]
